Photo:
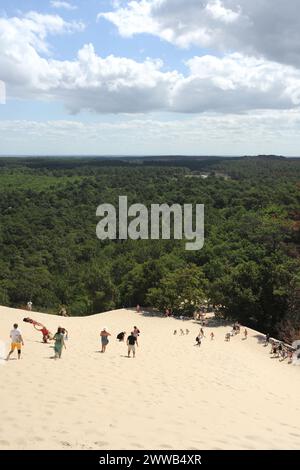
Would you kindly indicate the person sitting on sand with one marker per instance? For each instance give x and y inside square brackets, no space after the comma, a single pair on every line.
[63,312]
[131,342]
[16,341]
[121,336]
[104,339]
[212,336]
[59,342]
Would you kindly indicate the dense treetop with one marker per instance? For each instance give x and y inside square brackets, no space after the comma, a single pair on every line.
[249,263]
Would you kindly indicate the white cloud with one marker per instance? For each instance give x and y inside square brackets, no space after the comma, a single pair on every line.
[264,27]
[220,13]
[233,83]
[2,92]
[208,134]
[64,5]
[236,83]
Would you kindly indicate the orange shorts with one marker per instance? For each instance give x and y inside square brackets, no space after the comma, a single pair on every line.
[17,346]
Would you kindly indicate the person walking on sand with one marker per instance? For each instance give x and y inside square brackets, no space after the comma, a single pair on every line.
[59,339]
[131,342]
[104,339]
[29,306]
[198,340]
[16,341]
[138,308]
[175,332]
[136,331]
[245,333]
[267,339]
[212,336]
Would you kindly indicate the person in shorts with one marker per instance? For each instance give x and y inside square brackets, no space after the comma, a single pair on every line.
[131,342]
[104,339]
[16,341]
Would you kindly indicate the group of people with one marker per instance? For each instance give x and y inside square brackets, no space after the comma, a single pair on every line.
[132,340]
[236,330]
[17,341]
[279,350]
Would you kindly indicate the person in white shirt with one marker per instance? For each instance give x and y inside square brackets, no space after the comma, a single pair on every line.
[16,341]
[29,305]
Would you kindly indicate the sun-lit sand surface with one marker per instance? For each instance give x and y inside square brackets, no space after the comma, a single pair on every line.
[173,395]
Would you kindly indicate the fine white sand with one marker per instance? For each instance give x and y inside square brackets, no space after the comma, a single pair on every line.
[173,395]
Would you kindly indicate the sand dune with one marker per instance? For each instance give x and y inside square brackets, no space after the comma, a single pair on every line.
[173,395]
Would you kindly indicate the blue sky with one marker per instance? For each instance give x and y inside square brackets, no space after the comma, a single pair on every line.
[148,77]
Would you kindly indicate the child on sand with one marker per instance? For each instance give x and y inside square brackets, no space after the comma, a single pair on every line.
[104,339]
[16,341]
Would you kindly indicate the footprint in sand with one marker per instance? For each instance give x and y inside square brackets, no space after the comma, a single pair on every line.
[101,443]
[4,443]
[65,444]
[294,435]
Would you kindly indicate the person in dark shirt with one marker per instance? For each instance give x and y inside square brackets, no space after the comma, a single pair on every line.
[131,342]
[121,336]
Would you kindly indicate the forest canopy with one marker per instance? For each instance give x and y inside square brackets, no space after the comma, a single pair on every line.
[249,263]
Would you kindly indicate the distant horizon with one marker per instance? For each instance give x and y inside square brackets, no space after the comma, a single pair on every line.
[149,156]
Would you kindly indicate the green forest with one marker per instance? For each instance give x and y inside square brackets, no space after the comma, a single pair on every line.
[249,263]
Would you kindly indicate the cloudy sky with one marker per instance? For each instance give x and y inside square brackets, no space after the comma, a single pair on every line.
[116,77]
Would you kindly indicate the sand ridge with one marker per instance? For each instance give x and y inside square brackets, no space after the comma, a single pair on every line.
[173,395]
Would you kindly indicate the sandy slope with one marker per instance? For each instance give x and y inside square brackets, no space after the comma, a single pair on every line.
[172,396]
